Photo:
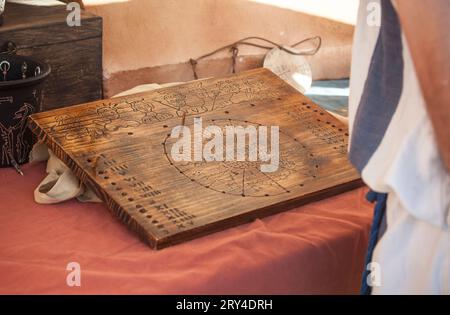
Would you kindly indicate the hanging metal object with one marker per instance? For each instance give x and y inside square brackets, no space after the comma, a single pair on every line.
[24,70]
[4,68]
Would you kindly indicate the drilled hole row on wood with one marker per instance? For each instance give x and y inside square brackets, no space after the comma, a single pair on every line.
[124,194]
[322,114]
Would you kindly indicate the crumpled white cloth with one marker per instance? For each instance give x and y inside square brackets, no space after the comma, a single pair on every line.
[61,184]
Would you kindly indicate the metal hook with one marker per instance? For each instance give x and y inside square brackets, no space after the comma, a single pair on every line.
[24,70]
[4,67]
[37,71]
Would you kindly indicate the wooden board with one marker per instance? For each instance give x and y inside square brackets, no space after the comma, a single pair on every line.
[121,149]
[74,53]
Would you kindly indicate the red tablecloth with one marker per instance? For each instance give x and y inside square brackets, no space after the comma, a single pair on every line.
[317,248]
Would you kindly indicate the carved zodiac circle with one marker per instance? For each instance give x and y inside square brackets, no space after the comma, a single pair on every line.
[297,164]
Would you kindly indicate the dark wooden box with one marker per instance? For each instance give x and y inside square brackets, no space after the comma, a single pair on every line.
[74,53]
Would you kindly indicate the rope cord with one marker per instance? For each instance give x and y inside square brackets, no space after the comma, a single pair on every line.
[234,49]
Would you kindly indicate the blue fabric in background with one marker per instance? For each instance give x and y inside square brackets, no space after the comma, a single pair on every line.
[331,95]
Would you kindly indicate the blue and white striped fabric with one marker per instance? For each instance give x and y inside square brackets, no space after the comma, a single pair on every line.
[393,146]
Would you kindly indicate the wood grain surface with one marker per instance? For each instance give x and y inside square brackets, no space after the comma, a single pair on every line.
[74,53]
[121,149]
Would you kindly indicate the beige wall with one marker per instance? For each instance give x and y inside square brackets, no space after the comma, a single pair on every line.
[148,34]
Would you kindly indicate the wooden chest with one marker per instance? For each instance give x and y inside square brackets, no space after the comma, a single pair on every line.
[74,53]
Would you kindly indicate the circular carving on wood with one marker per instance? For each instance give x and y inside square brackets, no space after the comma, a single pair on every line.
[297,164]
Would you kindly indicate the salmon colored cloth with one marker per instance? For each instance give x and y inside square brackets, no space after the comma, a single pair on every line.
[317,248]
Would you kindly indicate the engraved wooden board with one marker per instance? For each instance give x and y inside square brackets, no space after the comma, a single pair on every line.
[121,149]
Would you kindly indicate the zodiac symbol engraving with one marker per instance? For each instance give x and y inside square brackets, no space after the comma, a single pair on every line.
[130,112]
[245,178]
[148,109]
[111,118]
